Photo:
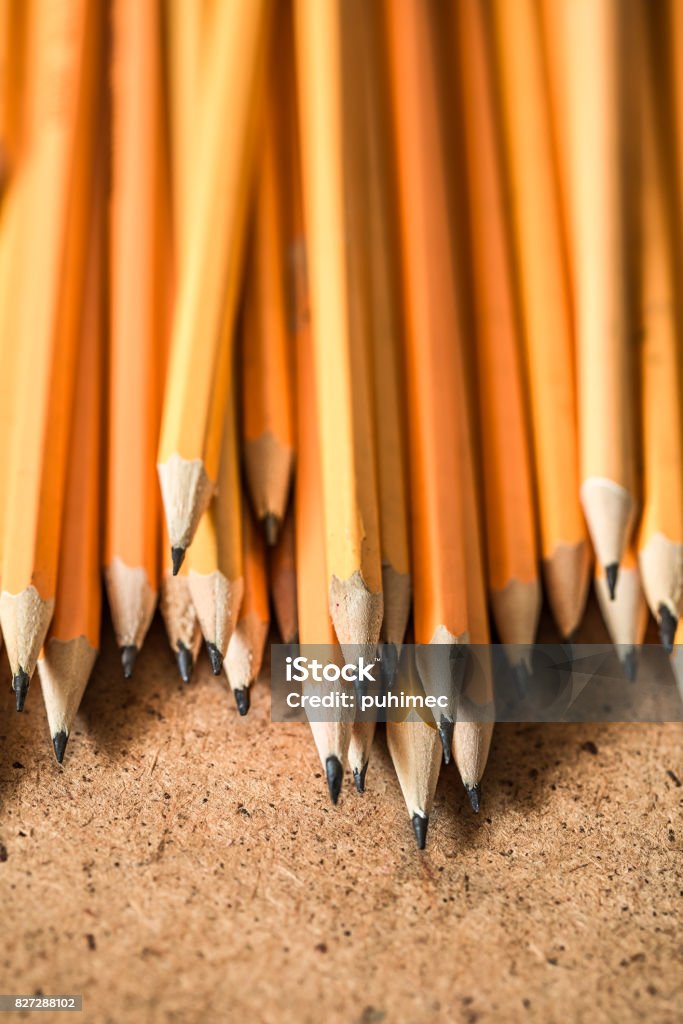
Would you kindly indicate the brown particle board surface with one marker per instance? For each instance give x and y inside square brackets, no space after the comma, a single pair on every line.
[186,865]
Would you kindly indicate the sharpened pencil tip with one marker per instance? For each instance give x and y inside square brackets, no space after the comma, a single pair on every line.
[630,664]
[359,777]
[185,662]
[59,742]
[611,574]
[129,655]
[271,529]
[446,729]
[667,628]
[20,686]
[216,658]
[177,558]
[335,776]
[242,700]
[474,797]
[420,823]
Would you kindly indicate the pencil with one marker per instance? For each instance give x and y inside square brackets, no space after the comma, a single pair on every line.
[541,259]
[248,641]
[267,417]
[208,286]
[216,572]
[432,337]
[315,625]
[660,540]
[590,114]
[12,57]
[625,614]
[64,46]
[73,640]
[131,561]
[510,515]
[282,580]
[388,396]
[341,385]
[415,750]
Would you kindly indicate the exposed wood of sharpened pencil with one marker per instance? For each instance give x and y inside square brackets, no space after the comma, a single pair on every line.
[282,577]
[508,487]
[349,494]
[415,750]
[209,281]
[267,416]
[590,113]
[65,40]
[131,560]
[660,542]
[626,615]
[73,640]
[433,345]
[545,304]
[248,641]
[315,625]
[216,565]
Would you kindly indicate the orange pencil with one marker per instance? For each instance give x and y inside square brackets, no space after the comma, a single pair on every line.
[70,650]
[131,560]
[510,515]
[433,349]
[541,260]
[267,417]
[64,47]
[282,578]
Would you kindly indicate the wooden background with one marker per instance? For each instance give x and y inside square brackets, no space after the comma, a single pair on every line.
[186,865]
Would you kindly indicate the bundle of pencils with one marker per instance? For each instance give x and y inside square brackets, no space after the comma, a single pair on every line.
[361,314]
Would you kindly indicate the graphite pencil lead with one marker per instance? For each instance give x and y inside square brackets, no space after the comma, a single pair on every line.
[667,628]
[242,699]
[630,664]
[129,653]
[185,662]
[420,823]
[216,658]
[335,776]
[611,573]
[271,528]
[59,742]
[177,558]
[474,797]
[359,777]
[446,728]
[20,687]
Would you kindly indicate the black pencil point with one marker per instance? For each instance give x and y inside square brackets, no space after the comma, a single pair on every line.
[177,558]
[242,700]
[59,742]
[20,687]
[335,776]
[359,777]
[185,662]
[667,628]
[611,573]
[271,529]
[129,653]
[474,797]
[446,728]
[630,664]
[216,658]
[420,824]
